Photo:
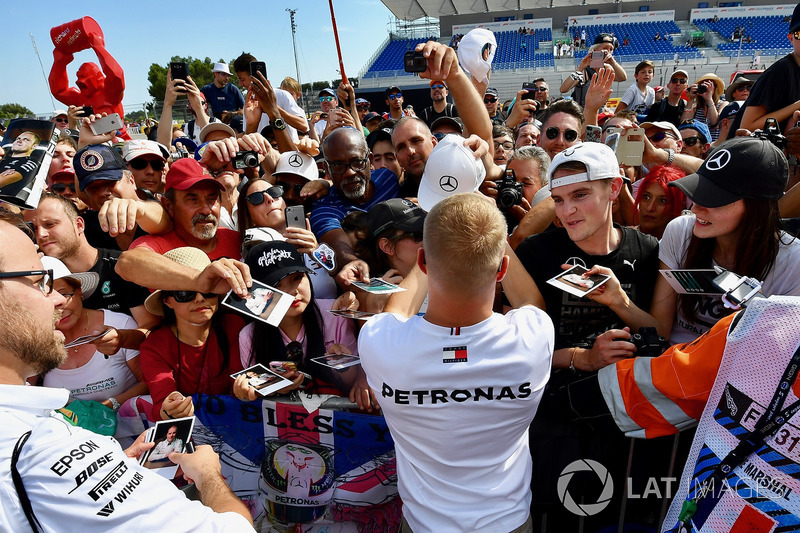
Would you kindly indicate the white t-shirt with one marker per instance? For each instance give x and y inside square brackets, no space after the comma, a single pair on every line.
[286,102]
[81,481]
[783,279]
[319,127]
[102,377]
[636,101]
[458,402]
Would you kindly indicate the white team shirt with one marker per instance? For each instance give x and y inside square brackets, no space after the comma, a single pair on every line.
[286,102]
[458,402]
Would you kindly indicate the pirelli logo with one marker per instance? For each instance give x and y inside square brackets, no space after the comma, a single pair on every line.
[107,482]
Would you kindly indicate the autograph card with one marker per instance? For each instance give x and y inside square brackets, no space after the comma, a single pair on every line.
[351,313]
[574,282]
[169,436]
[86,339]
[337,362]
[263,380]
[378,286]
[262,302]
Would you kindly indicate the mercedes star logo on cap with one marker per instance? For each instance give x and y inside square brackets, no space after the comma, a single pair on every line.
[295,160]
[448,183]
[718,160]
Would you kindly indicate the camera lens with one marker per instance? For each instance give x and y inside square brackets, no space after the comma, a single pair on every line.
[250,160]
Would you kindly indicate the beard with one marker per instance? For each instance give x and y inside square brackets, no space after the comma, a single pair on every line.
[358,192]
[207,233]
[36,345]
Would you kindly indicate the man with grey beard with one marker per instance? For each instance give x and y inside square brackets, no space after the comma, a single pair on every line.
[192,200]
[354,188]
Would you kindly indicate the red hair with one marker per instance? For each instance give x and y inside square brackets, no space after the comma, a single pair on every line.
[662,175]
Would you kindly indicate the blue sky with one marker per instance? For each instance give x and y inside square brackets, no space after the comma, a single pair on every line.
[146,31]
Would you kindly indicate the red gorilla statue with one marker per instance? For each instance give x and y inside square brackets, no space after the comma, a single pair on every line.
[102,90]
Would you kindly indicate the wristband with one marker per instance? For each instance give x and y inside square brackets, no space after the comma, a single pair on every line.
[572,359]
[115,405]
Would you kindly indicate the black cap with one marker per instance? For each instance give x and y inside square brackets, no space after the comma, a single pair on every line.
[452,121]
[742,167]
[272,261]
[391,89]
[97,162]
[794,25]
[605,38]
[491,91]
[397,213]
[380,134]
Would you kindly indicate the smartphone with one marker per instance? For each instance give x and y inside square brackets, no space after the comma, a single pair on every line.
[593,133]
[597,60]
[631,147]
[258,66]
[531,88]
[295,217]
[414,62]
[106,124]
[179,70]
[86,111]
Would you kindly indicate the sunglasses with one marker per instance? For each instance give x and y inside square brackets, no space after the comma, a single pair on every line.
[691,141]
[363,107]
[141,164]
[326,98]
[59,188]
[541,89]
[489,100]
[295,188]
[437,86]
[660,136]
[395,96]
[553,133]
[748,87]
[417,236]
[62,120]
[679,80]
[183,297]
[257,198]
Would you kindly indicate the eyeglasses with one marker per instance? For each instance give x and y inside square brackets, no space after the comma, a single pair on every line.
[541,89]
[416,235]
[183,297]
[489,100]
[553,133]
[679,80]
[506,145]
[60,188]
[257,198]
[295,188]
[326,98]
[691,141]
[437,86]
[340,167]
[140,164]
[748,87]
[661,135]
[395,96]
[64,120]
[45,284]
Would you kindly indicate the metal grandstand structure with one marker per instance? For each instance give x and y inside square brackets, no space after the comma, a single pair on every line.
[414,9]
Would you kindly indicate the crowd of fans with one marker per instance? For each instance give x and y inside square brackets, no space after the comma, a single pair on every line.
[145,237]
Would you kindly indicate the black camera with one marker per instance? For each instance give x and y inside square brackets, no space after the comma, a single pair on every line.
[414,62]
[245,159]
[702,89]
[649,343]
[772,133]
[509,192]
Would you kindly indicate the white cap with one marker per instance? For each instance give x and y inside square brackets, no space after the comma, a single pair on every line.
[600,160]
[298,164]
[258,235]
[139,147]
[471,49]
[58,112]
[88,280]
[451,169]
[221,67]
[662,125]
[215,126]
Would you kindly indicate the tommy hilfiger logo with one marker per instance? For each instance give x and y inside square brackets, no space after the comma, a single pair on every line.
[454,354]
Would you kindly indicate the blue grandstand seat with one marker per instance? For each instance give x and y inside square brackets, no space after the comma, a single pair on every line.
[766,32]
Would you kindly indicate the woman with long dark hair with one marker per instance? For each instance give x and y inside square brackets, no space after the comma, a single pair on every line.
[305,332]
[735,225]
[194,350]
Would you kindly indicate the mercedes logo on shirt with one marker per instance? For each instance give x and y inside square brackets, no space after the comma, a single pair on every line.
[718,160]
[448,183]
[295,161]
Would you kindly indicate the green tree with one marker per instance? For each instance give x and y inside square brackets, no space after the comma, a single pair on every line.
[135,116]
[199,70]
[14,111]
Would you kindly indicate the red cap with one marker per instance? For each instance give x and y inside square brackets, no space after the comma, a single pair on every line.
[438,81]
[185,173]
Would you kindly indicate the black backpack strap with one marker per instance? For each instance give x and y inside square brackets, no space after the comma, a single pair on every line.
[36,527]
